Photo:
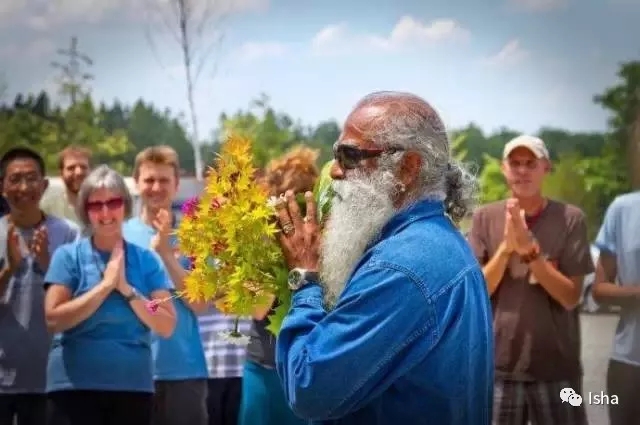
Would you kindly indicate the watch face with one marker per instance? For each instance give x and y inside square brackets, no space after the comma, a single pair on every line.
[294,277]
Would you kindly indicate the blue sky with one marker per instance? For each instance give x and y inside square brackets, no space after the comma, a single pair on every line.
[517,63]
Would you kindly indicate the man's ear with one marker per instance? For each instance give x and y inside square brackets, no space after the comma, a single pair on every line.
[410,168]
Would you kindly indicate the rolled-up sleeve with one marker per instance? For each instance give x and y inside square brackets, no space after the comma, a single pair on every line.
[333,363]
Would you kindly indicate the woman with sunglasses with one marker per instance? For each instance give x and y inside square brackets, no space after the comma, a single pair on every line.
[98,298]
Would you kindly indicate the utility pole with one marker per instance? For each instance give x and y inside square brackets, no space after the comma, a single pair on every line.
[73,77]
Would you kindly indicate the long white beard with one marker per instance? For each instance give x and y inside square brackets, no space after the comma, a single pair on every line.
[360,209]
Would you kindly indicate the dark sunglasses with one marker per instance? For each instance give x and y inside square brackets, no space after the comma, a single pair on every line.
[111,204]
[350,157]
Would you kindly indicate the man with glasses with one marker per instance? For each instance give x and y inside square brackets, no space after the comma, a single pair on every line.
[399,330]
[535,254]
[28,237]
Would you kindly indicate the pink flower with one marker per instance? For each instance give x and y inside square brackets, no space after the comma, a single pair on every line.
[190,206]
[152,306]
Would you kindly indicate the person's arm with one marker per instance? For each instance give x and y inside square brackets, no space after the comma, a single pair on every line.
[62,312]
[564,283]
[261,311]
[5,276]
[162,321]
[493,268]
[381,328]
[178,274]
[605,288]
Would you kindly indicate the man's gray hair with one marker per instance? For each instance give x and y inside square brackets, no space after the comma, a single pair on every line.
[102,177]
[411,123]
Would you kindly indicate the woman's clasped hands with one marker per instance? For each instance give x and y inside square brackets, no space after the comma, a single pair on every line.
[114,272]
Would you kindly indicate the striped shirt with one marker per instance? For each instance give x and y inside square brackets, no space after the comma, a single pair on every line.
[224,360]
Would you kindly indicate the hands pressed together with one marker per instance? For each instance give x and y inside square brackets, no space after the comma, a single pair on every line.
[114,272]
[517,237]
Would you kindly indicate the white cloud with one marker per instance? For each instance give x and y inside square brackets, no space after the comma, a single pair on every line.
[511,54]
[408,31]
[538,5]
[252,51]
[45,14]
[35,50]
[10,9]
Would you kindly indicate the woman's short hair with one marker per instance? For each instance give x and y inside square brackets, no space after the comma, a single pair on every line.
[102,177]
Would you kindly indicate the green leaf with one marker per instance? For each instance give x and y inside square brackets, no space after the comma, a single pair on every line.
[323,191]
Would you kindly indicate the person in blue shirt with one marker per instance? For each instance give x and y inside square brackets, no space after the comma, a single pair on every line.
[400,329]
[104,299]
[617,282]
[180,369]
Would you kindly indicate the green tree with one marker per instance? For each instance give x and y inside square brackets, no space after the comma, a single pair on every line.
[623,102]
[492,184]
[81,124]
[271,132]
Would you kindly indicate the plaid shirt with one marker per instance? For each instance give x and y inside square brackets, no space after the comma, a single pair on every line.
[224,360]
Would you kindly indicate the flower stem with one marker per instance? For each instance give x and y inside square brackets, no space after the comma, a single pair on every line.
[236,324]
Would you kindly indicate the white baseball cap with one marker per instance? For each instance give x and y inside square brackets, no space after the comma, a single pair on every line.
[534,144]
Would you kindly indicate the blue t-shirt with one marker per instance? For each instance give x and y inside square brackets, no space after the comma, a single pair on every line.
[620,236]
[181,356]
[111,350]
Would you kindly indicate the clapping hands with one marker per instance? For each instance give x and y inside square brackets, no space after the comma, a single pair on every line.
[516,234]
[38,247]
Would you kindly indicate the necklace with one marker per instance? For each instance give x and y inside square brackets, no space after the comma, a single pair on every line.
[97,261]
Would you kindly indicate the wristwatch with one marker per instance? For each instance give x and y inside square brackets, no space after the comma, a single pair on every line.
[133,295]
[301,277]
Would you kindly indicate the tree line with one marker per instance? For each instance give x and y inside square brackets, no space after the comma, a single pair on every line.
[590,169]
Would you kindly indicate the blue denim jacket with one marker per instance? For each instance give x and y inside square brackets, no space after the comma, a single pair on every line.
[410,340]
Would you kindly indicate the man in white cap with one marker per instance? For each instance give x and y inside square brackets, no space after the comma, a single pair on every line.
[535,254]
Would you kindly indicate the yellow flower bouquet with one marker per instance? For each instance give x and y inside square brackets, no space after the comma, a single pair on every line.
[229,234]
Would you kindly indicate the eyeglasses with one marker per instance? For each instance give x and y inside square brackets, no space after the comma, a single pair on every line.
[29,179]
[111,204]
[350,157]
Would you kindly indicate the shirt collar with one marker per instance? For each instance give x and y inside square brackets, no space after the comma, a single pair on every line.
[414,212]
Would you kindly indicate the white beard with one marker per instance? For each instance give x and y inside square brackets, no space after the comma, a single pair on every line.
[361,207]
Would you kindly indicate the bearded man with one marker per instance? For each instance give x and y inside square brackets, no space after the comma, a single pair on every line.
[74,163]
[402,333]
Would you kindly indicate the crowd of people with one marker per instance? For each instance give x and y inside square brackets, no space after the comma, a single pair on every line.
[396,316]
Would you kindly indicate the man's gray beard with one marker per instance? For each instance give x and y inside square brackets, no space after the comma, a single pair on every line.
[360,209]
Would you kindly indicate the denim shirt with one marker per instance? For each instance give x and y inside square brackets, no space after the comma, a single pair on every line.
[409,341]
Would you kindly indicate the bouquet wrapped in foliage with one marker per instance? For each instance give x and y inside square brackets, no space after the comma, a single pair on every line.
[229,233]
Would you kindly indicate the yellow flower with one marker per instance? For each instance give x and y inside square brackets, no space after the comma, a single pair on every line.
[232,243]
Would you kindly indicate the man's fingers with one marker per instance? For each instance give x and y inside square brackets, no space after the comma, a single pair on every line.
[283,214]
[294,209]
[157,225]
[311,209]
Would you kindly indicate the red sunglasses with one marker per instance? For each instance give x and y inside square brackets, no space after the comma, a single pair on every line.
[349,156]
[111,204]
